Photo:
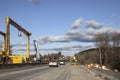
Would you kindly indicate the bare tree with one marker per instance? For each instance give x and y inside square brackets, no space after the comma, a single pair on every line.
[109,45]
[107,51]
[116,51]
[103,45]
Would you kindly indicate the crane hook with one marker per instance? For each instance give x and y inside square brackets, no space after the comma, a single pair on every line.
[19,34]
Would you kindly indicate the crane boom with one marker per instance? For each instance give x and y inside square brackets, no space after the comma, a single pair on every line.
[2,33]
[10,21]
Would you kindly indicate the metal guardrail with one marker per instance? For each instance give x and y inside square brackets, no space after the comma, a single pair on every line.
[107,73]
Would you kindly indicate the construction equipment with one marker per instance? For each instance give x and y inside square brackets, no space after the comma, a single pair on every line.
[37,54]
[3,49]
[3,34]
[8,58]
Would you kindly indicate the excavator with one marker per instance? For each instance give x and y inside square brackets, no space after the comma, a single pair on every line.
[8,58]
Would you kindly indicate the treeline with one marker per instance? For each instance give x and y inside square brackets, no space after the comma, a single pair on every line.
[88,56]
[107,52]
[52,56]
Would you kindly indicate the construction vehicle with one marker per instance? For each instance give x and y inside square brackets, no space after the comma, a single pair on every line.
[8,58]
[37,57]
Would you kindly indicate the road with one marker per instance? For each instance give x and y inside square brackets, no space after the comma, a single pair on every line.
[63,72]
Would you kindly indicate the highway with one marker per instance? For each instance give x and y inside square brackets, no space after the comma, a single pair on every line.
[63,72]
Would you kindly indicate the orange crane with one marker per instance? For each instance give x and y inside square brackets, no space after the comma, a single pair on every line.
[6,35]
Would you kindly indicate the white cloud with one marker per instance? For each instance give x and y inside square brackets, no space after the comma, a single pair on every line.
[70,47]
[109,30]
[18,44]
[93,24]
[47,39]
[77,23]
[78,35]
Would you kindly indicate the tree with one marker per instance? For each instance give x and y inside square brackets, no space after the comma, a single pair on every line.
[109,45]
[103,45]
[116,51]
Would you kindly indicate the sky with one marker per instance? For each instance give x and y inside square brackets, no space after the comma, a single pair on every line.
[68,26]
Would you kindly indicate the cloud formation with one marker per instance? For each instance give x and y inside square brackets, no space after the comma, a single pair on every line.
[76,34]
[48,39]
[18,44]
[69,48]
[79,36]
[77,23]
[93,24]
[59,48]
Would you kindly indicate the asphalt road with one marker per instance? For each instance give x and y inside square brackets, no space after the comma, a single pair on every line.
[63,72]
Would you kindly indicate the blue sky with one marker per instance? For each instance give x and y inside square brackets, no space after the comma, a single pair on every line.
[61,25]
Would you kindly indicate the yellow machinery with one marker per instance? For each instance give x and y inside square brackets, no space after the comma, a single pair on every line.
[16,59]
[8,58]
[3,49]
[3,34]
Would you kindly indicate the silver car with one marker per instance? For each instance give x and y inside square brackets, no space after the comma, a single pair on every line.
[53,63]
[62,62]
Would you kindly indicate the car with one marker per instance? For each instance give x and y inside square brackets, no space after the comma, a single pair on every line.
[62,62]
[53,63]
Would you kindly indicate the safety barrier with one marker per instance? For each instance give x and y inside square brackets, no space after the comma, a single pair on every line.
[112,75]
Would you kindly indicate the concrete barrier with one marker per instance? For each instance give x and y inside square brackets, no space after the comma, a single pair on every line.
[107,73]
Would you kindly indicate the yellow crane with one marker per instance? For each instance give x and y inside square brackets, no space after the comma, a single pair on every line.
[3,34]
[2,53]
[7,54]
